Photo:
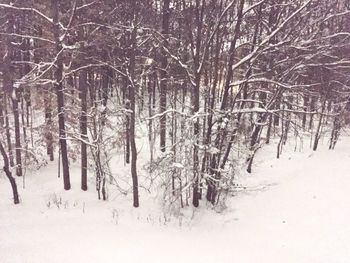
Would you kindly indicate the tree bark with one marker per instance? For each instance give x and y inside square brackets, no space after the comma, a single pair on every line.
[48,123]
[60,96]
[132,98]
[83,126]
[164,75]
[17,132]
[9,175]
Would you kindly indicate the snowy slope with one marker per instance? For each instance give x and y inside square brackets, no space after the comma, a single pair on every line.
[295,209]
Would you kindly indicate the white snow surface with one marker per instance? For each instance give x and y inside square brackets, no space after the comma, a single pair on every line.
[295,209]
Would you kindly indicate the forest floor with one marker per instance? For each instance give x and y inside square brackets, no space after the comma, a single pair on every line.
[295,209]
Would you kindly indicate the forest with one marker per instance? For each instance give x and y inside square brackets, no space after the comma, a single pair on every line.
[174,131]
[202,85]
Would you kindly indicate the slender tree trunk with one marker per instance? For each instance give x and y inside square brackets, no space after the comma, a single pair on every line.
[306,103]
[312,109]
[269,127]
[127,133]
[23,121]
[132,98]
[7,131]
[83,127]
[2,117]
[8,174]
[164,75]
[127,120]
[318,130]
[48,121]
[280,142]
[151,87]
[17,132]
[60,96]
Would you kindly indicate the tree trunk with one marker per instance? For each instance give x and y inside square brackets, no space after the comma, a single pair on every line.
[2,118]
[17,132]
[60,96]
[163,75]
[9,175]
[7,130]
[83,127]
[132,98]
[48,123]
[318,130]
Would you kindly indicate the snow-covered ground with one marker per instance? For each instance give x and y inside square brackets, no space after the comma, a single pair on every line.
[296,209]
